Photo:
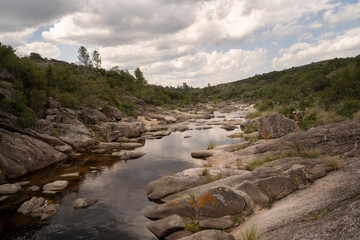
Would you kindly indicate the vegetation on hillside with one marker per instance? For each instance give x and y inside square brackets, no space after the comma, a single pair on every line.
[35,79]
[328,91]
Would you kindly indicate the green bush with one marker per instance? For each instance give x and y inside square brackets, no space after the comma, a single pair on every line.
[347,108]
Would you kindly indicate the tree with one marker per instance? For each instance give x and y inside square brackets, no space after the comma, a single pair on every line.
[84,58]
[139,76]
[96,59]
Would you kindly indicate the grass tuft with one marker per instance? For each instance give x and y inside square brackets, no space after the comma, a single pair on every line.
[211,145]
[192,227]
[250,234]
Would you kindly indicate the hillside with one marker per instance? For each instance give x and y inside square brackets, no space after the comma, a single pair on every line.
[329,91]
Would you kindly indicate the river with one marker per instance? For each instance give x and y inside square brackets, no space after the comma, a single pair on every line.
[120,187]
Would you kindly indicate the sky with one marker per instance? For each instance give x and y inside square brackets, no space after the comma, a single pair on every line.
[199,42]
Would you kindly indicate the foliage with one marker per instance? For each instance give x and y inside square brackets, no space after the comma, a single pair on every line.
[83,57]
[251,127]
[96,59]
[192,227]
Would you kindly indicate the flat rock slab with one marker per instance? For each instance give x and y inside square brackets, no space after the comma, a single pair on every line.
[9,188]
[209,235]
[216,223]
[84,202]
[130,145]
[70,175]
[56,186]
[127,155]
[34,188]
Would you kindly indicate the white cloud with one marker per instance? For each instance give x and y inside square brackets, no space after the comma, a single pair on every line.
[344,13]
[344,45]
[16,38]
[46,50]
[202,68]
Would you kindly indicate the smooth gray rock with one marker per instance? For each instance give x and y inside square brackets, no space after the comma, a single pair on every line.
[37,207]
[274,125]
[254,192]
[216,223]
[113,113]
[229,127]
[91,116]
[70,175]
[3,198]
[9,188]
[276,187]
[209,235]
[56,186]
[180,128]
[34,188]
[84,202]
[166,226]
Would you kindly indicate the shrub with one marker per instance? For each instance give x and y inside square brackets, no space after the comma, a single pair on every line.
[251,127]
[347,108]
[192,227]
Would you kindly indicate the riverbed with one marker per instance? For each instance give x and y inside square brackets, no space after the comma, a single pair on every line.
[120,187]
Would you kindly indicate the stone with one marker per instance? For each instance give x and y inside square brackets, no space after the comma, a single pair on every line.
[9,188]
[22,154]
[48,192]
[3,198]
[113,135]
[56,186]
[274,125]
[130,145]
[53,103]
[254,192]
[180,128]
[127,155]
[70,175]
[216,223]
[49,210]
[113,113]
[166,226]
[91,116]
[34,188]
[178,235]
[229,127]
[84,202]
[126,129]
[209,235]
[31,205]
[203,154]
[276,187]
[23,183]
[170,119]
[216,202]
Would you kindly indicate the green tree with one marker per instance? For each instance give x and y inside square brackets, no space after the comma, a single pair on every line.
[83,56]
[139,76]
[96,59]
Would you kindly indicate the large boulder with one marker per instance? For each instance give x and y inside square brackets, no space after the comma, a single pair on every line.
[21,154]
[187,179]
[274,125]
[91,116]
[209,235]
[124,129]
[276,187]
[112,113]
[166,226]
[216,202]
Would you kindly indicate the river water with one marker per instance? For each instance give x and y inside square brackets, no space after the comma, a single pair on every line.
[120,187]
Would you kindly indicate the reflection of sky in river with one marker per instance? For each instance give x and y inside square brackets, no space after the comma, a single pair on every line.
[121,189]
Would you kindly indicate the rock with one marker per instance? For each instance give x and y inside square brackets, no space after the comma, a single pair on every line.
[126,129]
[209,235]
[126,155]
[70,175]
[246,123]
[84,202]
[3,198]
[56,186]
[37,207]
[53,103]
[49,192]
[22,154]
[91,116]
[216,202]
[178,235]
[77,140]
[203,128]
[23,183]
[112,145]
[9,188]
[299,176]
[187,136]
[113,113]
[229,127]
[113,135]
[186,179]
[274,125]
[216,223]
[166,226]
[254,192]
[180,128]
[170,119]
[276,187]
[202,154]
[34,188]
[130,145]
[251,135]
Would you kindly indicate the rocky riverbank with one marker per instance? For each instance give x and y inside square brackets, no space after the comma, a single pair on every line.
[297,186]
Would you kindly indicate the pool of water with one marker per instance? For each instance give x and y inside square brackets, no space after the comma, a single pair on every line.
[120,187]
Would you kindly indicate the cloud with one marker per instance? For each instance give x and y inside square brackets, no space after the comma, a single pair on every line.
[344,45]
[17,15]
[17,38]
[202,68]
[46,50]
[343,13]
